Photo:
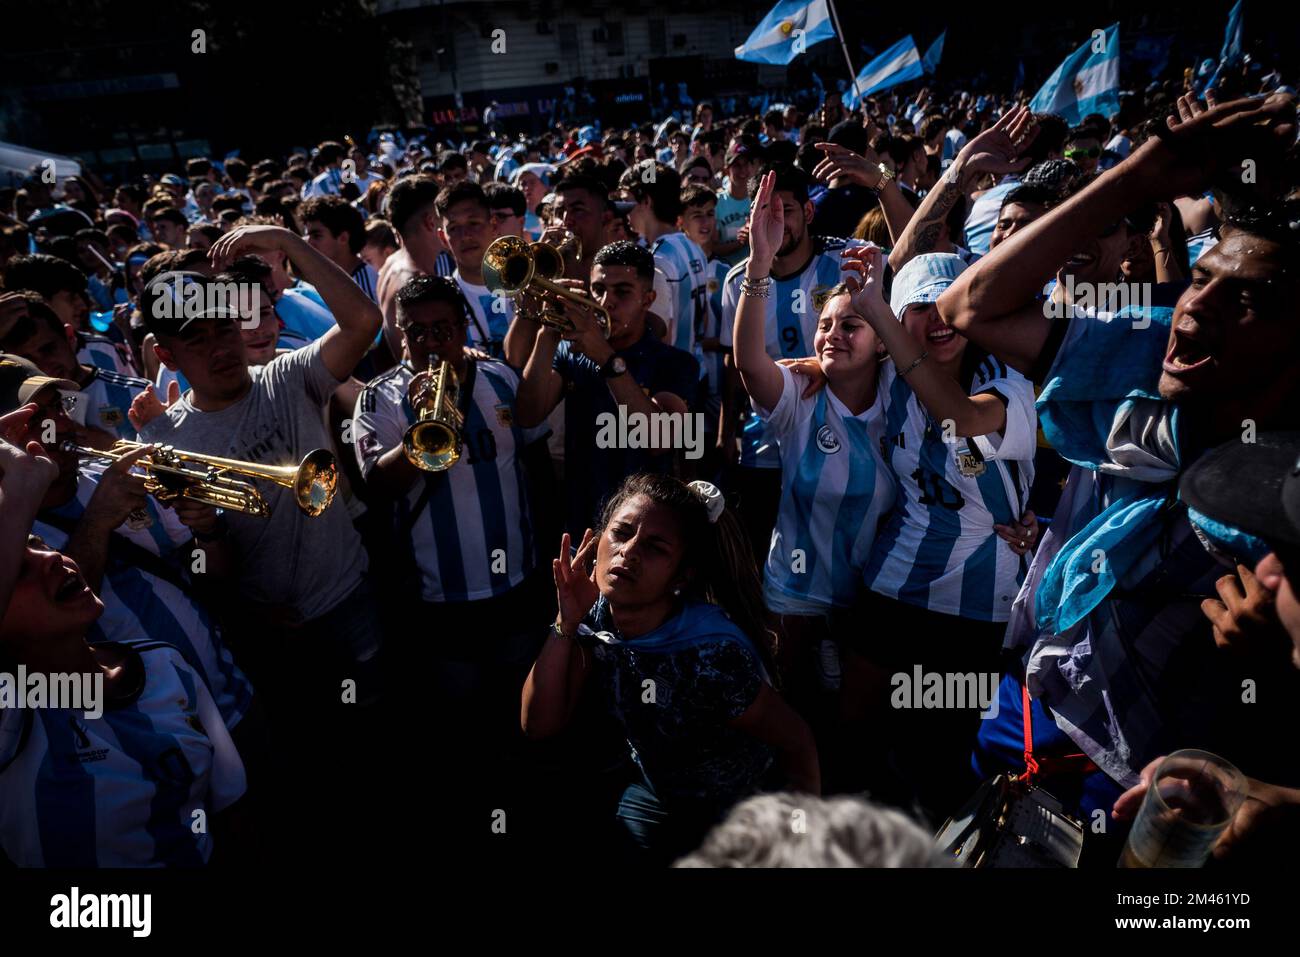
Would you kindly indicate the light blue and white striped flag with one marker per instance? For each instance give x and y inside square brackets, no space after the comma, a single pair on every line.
[789,28]
[896,65]
[931,59]
[1233,44]
[1087,82]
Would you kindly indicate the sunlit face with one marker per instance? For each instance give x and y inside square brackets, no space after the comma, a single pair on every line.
[261,337]
[432,329]
[699,222]
[51,351]
[467,231]
[533,188]
[626,296]
[210,353]
[922,322]
[797,217]
[1014,216]
[51,421]
[738,174]
[334,248]
[583,215]
[50,598]
[639,554]
[71,307]
[1235,329]
[1100,260]
[844,343]
[505,222]
[375,256]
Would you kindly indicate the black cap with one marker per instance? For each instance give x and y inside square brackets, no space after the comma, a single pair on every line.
[168,303]
[1252,486]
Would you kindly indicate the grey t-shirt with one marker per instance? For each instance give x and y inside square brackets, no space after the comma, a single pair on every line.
[306,565]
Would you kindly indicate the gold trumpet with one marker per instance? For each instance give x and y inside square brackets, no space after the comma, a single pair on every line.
[517,268]
[172,474]
[432,443]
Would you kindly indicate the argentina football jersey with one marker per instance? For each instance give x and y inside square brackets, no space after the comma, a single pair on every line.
[790,324]
[939,550]
[471,527]
[835,489]
[681,288]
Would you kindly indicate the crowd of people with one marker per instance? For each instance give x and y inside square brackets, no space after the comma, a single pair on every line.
[979,393]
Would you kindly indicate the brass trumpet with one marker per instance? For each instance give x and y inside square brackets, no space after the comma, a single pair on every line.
[432,443]
[517,267]
[171,474]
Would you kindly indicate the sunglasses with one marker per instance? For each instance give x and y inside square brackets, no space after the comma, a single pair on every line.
[1091,153]
[415,332]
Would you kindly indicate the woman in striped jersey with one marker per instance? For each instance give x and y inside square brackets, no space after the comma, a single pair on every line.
[959,436]
[662,603]
[835,486]
[121,788]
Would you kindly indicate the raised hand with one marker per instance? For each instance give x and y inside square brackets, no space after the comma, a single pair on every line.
[842,163]
[119,492]
[1207,146]
[24,463]
[864,275]
[146,406]
[998,149]
[250,239]
[766,224]
[575,582]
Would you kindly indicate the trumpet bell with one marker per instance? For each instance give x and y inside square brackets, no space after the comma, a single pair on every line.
[431,446]
[508,265]
[316,482]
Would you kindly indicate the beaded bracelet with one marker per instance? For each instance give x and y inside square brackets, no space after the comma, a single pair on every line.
[758,288]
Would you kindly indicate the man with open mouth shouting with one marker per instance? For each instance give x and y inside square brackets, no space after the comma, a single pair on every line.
[1120,660]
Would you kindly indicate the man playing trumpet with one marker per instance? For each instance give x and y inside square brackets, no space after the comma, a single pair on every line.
[467,528]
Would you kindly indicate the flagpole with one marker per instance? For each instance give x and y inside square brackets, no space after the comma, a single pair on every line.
[853,74]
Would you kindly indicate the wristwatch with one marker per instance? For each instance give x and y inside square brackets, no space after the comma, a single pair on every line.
[614,366]
[886,174]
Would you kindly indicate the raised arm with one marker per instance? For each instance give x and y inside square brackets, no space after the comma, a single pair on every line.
[758,372]
[993,302]
[540,386]
[357,319]
[993,151]
[941,394]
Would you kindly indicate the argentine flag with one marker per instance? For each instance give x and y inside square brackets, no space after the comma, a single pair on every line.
[789,28]
[931,59]
[1233,44]
[1087,82]
[896,65]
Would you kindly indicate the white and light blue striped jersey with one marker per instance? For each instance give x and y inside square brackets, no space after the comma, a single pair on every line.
[144,604]
[106,399]
[1201,243]
[834,490]
[327,183]
[489,319]
[444,264]
[681,289]
[711,362]
[103,353]
[367,277]
[790,325]
[120,790]
[938,550]
[472,537]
